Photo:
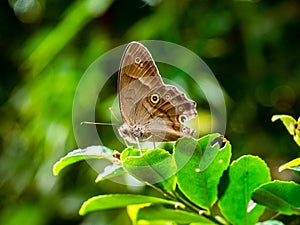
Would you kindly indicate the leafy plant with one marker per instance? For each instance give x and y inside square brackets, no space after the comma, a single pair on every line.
[198,183]
[293,127]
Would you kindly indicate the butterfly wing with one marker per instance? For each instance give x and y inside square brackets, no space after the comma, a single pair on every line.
[137,76]
[150,109]
[164,117]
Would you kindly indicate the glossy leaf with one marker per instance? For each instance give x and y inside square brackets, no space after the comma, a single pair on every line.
[132,211]
[297,133]
[91,152]
[280,196]
[292,165]
[112,201]
[172,215]
[200,183]
[245,175]
[110,171]
[155,166]
[288,121]
[291,125]
[130,151]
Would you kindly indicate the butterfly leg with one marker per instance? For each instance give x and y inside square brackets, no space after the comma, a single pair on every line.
[154,145]
[138,143]
[125,142]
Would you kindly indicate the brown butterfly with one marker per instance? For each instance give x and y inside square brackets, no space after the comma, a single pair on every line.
[150,109]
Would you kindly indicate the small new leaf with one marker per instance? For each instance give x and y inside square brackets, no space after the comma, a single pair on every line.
[110,171]
[292,165]
[288,121]
[91,152]
[291,125]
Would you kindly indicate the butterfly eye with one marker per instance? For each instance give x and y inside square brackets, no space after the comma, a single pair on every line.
[182,118]
[154,98]
[167,97]
[184,130]
[137,60]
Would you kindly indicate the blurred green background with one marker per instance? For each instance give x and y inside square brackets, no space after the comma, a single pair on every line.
[251,46]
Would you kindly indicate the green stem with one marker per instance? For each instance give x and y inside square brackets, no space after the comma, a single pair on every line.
[195,208]
[186,202]
[164,193]
[176,197]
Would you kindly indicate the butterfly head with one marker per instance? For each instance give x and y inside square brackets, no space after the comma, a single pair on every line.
[134,133]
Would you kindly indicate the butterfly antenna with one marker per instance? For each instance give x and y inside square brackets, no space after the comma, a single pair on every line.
[94,123]
[114,115]
[105,124]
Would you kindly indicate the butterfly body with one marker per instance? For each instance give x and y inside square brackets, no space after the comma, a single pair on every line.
[150,110]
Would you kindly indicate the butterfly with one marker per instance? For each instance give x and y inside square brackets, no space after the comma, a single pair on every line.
[151,110]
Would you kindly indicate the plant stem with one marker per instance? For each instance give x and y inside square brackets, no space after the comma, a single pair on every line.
[166,194]
[176,197]
[190,205]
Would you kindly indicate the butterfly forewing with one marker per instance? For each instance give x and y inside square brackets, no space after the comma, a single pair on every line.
[138,74]
[150,109]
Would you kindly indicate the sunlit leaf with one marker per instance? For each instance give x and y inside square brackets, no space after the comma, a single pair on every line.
[297,133]
[291,125]
[200,183]
[91,152]
[156,166]
[110,171]
[130,151]
[175,215]
[119,200]
[288,121]
[280,196]
[132,211]
[292,165]
[245,175]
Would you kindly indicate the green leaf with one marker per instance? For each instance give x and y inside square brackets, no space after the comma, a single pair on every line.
[293,165]
[291,125]
[129,151]
[281,196]
[245,175]
[119,200]
[132,211]
[288,121]
[155,166]
[270,222]
[297,133]
[210,145]
[200,167]
[91,152]
[175,215]
[110,171]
